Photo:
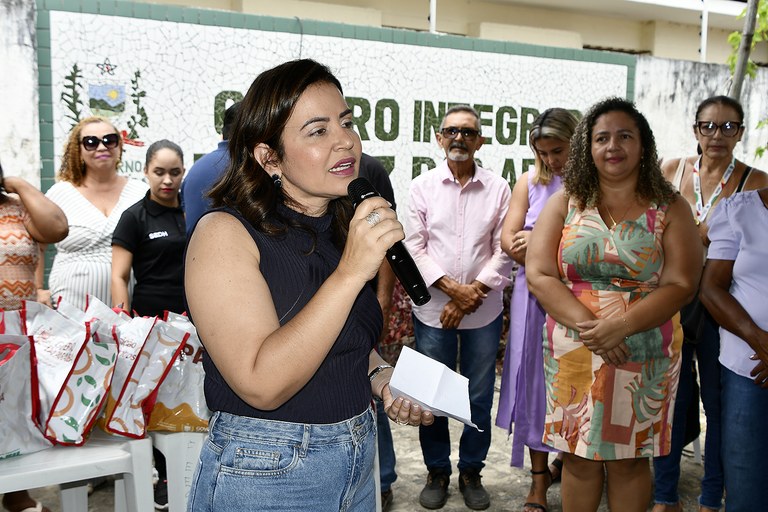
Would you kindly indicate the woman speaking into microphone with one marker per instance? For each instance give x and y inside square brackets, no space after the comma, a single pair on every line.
[276,283]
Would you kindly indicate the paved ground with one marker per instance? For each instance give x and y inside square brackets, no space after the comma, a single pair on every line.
[508,486]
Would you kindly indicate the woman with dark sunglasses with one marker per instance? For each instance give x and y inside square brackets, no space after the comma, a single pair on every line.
[93,196]
[704,180]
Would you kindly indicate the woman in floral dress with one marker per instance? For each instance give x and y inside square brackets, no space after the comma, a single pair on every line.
[612,259]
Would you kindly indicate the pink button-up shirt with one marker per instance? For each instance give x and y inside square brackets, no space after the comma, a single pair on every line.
[455,231]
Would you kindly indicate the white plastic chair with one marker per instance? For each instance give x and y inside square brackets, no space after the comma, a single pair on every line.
[71,466]
[181,450]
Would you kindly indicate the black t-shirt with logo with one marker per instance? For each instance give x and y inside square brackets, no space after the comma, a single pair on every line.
[156,236]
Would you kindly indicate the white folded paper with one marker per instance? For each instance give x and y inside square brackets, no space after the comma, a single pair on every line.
[432,385]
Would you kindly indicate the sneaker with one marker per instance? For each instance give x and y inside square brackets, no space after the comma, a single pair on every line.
[386,500]
[475,495]
[161,495]
[435,493]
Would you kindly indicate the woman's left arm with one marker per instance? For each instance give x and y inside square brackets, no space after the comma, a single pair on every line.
[47,223]
[727,311]
[122,261]
[679,279]
[399,410]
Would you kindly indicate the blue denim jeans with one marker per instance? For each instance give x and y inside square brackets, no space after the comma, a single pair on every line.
[275,465]
[476,354]
[387,459]
[745,445]
[667,469]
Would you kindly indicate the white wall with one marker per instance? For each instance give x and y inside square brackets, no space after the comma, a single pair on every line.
[19,134]
[669,91]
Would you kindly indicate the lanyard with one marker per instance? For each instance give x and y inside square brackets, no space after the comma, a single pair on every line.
[701,209]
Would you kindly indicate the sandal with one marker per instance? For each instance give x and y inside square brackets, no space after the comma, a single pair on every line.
[37,508]
[558,465]
[538,506]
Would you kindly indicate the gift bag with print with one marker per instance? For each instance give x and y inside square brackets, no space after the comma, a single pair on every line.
[131,337]
[180,404]
[73,400]
[59,342]
[137,396]
[19,398]
[11,322]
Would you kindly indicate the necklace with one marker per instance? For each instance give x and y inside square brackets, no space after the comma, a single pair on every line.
[613,221]
[703,209]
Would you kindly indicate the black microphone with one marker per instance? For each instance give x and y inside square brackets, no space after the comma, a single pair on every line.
[399,258]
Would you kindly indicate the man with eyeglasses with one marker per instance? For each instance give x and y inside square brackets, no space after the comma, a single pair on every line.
[453,231]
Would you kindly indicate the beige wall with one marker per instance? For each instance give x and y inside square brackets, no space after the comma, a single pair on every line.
[500,21]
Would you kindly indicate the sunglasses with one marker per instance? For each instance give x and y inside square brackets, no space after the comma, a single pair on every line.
[452,132]
[708,128]
[110,141]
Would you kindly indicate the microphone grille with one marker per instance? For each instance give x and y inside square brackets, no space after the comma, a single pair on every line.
[360,189]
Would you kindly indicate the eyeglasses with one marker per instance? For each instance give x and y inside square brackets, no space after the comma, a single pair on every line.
[708,128]
[452,132]
[91,142]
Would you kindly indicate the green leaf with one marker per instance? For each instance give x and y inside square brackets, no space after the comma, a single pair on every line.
[90,380]
[103,360]
[85,401]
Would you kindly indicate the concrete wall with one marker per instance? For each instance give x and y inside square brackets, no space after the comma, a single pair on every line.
[668,91]
[19,132]
[515,22]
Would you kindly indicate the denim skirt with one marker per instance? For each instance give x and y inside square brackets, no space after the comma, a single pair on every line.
[255,464]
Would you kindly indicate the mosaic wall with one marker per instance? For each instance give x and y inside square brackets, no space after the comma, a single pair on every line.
[160,79]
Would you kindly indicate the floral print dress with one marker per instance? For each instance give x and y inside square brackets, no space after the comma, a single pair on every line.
[595,410]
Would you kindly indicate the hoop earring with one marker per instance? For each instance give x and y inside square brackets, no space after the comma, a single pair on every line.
[277,181]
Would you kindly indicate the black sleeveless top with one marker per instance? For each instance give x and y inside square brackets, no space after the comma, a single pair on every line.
[340,388]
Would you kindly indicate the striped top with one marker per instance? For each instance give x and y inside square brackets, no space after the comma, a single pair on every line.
[18,255]
[83,262]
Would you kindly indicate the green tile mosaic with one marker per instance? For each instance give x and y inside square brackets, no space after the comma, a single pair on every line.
[89,6]
[123,9]
[46,130]
[43,38]
[45,96]
[142,10]
[45,110]
[158,12]
[222,19]
[108,7]
[43,19]
[190,16]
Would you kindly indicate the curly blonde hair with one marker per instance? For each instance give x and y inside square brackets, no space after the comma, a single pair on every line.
[580,176]
[72,166]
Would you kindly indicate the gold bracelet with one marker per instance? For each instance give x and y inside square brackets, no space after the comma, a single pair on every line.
[626,326]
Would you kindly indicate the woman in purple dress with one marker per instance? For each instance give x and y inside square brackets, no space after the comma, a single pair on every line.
[522,398]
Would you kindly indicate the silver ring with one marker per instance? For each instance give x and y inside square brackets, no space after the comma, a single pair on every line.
[373,218]
[397,420]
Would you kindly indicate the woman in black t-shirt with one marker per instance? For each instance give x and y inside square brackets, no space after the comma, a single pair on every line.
[150,239]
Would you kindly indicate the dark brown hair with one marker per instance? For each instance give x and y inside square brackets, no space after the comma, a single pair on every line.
[580,177]
[263,113]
